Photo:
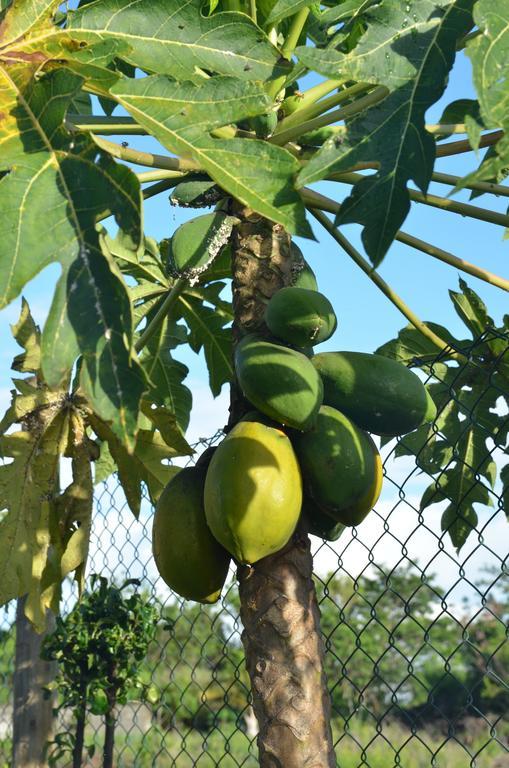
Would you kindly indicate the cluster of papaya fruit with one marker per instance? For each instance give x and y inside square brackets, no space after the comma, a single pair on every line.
[305,450]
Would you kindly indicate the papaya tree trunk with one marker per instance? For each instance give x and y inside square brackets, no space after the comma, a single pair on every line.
[279,610]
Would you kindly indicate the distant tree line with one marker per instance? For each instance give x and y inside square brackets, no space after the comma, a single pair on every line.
[394,651]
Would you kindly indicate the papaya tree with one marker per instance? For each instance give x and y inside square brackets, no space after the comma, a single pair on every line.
[252,104]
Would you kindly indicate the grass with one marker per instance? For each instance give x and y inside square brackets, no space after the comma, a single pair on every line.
[361,746]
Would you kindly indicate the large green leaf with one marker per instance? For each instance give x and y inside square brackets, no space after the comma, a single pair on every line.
[166,375]
[27,483]
[25,18]
[208,331]
[410,52]
[457,450]
[181,116]
[489,54]
[174,38]
[148,464]
[64,184]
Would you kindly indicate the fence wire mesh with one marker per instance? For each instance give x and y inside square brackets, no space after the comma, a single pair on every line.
[416,635]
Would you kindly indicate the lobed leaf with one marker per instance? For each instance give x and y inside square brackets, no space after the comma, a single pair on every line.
[208,331]
[489,54]
[174,38]
[457,450]
[411,54]
[65,182]
[182,115]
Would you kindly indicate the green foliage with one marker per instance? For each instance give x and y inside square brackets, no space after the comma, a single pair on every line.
[99,647]
[457,449]
[208,84]
[169,38]
[410,52]
[50,173]
[44,534]
[489,54]
[232,163]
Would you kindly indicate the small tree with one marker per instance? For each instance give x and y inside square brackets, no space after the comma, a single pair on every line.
[99,647]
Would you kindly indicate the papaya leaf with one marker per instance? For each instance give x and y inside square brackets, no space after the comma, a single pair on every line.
[457,449]
[411,346]
[347,10]
[26,20]
[410,54]
[28,486]
[145,265]
[28,336]
[105,465]
[504,476]
[459,523]
[208,332]
[50,178]
[471,309]
[64,534]
[173,38]
[489,54]
[166,375]
[165,421]
[81,104]
[143,466]
[234,164]
[458,111]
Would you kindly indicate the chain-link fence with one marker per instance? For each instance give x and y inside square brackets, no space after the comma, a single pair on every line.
[416,634]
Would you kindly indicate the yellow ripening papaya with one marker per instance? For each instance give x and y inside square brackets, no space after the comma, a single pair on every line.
[187,556]
[253,491]
[341,467]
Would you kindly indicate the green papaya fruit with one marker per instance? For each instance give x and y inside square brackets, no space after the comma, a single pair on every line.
[196,243]
[340,466]
[302,274]
[253,491]
[187,556]
[319,522]
[381,395]
[263,125]
[198,192]
[300,317]
[280,382]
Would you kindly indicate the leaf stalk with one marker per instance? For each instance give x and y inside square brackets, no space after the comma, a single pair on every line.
[386,289]
[307,112]
[292,38]
[443,203]
[148,159]
[458,147]
[292,133]
[166,304]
